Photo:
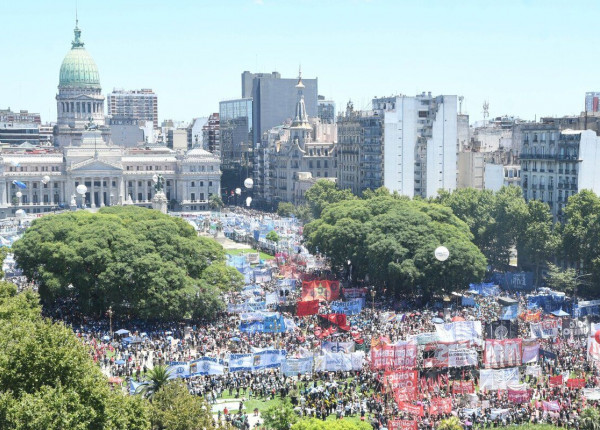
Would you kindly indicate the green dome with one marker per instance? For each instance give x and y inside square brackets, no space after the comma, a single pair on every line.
[78,69]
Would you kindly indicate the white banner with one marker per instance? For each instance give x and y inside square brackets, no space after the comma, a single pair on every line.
[535,370]
[462,357]
[178,370]
[334,361]
[498,379]
[294,366]
[502,353]
[206,366]
[337,346]
[547,329]
[591,393]
[531,351]
[459,330]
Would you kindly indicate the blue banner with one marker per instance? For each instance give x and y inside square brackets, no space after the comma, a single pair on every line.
[267,359]
[295,366]
[351,307]
[468,301]
[178,369]
[520,281]
[206,366]
[584,308]
[510,312]
[236,308]
[484,289]
[270,324]
[548,303]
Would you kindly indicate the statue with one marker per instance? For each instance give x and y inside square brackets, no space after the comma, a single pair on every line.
[159,184]
[159,201]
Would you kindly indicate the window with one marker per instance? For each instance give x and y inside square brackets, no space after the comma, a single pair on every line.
[193,183]
[210,183]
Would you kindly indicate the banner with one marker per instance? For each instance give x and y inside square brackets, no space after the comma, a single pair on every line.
[440,406]
[268,324]
[530,351]
[463,387]
[403,383]
[576,383]
[410,408]
[237,308]
[399,356]
[338,346]
[584,308]
[502,330]
[206,366]
[520,281]
[547,355]
[269,358]
[530,316]
[271,298]
[309,307]
[320,290]
[574,328]
[552,406]
[555,381]
[502,353]
[459,330]
[547,329]
[486,290]
[498,379]
[337,319]
[425,338]
[354,293]
[351,307]
[178,369]
[467,301]
[295,366]
[402,425]
[441,353]
[462,357]
[336,361]
[519,396]
[591,393]
[510,312]
[535,371]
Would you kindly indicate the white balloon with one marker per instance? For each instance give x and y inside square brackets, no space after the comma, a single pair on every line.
[248,183]
[442,253]
[19,194]
[248,201]
[81,189]
[238,191]
[20,213]
[45,179]
[14,163]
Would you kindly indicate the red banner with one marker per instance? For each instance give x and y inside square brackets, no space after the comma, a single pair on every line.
[441,352]
[402,425]
[555,380]
[403,383]
[440,406]
[532,316]
[394,356]
[519,396]
[410,408]
[337,319]
[502,353]
[576,383]
[310,307]
[463,387]
[320,290]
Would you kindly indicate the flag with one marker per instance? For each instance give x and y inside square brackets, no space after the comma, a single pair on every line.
[309,307]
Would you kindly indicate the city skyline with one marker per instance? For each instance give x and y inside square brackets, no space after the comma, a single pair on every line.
[192,55]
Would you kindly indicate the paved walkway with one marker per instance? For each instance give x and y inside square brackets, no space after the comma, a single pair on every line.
[233,407]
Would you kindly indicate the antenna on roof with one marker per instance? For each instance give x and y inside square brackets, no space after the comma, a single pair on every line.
[76,17]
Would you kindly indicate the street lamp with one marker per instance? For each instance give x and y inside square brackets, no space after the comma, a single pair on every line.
[109,312]
[81,190]
[373,298]
[19,194]
[577,284]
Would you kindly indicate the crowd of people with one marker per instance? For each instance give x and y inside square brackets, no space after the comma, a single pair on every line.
[128,354]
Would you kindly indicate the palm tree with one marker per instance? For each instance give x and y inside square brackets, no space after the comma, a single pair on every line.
[156,378]
[451,423]
[590,419]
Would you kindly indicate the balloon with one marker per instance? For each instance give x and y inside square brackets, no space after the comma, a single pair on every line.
[442,253]
[597,336]
[20,184]
[238,191]
[45,179]
[20,213]
[81,189]
[248,183]
[14,163]
[248,201]
[19,194]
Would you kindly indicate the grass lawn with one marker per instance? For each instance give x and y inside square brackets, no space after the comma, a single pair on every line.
[263,256]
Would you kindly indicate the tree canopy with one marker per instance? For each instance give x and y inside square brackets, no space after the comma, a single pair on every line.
[141,262]
[324,193]
[392,239]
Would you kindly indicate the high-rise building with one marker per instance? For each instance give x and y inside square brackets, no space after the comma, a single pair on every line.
[557,164]
[274,98]
[326,110]
[211,134]
[17,128]
[79,100]
[359,150]
[592,101]
[420,143]
[139,105]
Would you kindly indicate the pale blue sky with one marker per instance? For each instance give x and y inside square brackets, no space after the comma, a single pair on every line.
[526,57]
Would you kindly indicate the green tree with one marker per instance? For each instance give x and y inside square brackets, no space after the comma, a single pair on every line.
[285,209]
[223,277]
[561,280]
[590,419]
[174,408]
[142,263]
[215,202]
[537,242]
[156,378]
[47,378]
[580,236]
[272,236]
[392,240]
[3,254]
[316,424]
[452,423]
[280,416]
[324,193]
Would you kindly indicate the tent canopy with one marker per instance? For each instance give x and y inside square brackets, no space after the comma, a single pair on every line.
[507,301]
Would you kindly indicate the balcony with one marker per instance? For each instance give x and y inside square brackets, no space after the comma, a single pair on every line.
[560,171]
[561,185]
